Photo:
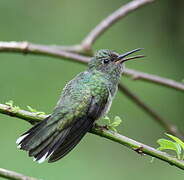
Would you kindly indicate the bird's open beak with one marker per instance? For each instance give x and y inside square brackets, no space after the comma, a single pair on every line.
[121,58]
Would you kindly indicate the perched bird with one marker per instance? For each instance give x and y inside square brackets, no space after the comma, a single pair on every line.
[85,99]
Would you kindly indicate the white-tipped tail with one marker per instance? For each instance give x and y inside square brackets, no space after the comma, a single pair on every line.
[19,146]
[21,138]
[43,158]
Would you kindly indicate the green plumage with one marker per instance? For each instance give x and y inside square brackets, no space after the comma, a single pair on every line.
[84,100]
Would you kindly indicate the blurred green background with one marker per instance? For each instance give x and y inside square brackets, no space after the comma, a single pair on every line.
[37,81]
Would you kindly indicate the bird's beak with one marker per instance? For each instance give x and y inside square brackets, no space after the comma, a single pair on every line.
[121,58]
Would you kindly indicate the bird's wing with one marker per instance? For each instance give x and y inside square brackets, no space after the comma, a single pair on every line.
[58,134]
[82,124]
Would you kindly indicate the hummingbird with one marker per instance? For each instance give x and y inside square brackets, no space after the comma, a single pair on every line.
[84,100]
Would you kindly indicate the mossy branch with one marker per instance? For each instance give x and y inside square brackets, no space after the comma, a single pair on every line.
[33,118]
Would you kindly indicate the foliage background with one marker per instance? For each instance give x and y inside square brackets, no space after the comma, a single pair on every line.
[37,81]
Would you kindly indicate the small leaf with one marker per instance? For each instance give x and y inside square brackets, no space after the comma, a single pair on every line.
[40,113]
[35,111]
[112,128]
[178,141]
[117,121]
[106,118]
[16,108]
[167,144]
[31,109]
[9,103]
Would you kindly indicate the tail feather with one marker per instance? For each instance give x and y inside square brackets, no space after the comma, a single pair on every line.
[64,150]
[37,126]
[46,141]
[44,144]
[34,139]
[50,148]
[71,141]
[31,132]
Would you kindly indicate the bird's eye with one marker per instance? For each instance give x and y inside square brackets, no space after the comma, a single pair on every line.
[105,61]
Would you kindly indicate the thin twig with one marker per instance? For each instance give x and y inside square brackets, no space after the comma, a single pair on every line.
[22,114]
[110,20]
[14,175]
[113,136]
[31,48]
[137,75]
[54,51]
[138,147]
[157,117]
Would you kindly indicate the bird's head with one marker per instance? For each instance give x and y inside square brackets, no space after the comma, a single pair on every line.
[110,62]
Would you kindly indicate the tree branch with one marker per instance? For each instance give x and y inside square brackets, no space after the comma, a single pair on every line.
[138,147]
[50,50]
[110,20]
[170,128]
[137,75]
[97,130]
[55,51]
[22,114]
[14,175]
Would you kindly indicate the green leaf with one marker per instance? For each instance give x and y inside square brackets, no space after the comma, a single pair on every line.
[35,111]
[112,128]
[40,113]
[31,109]
[112,125]
[13,107]
[167,144]
[178,141]
[106,118]
[9,103]
[16,108]
[117,121]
